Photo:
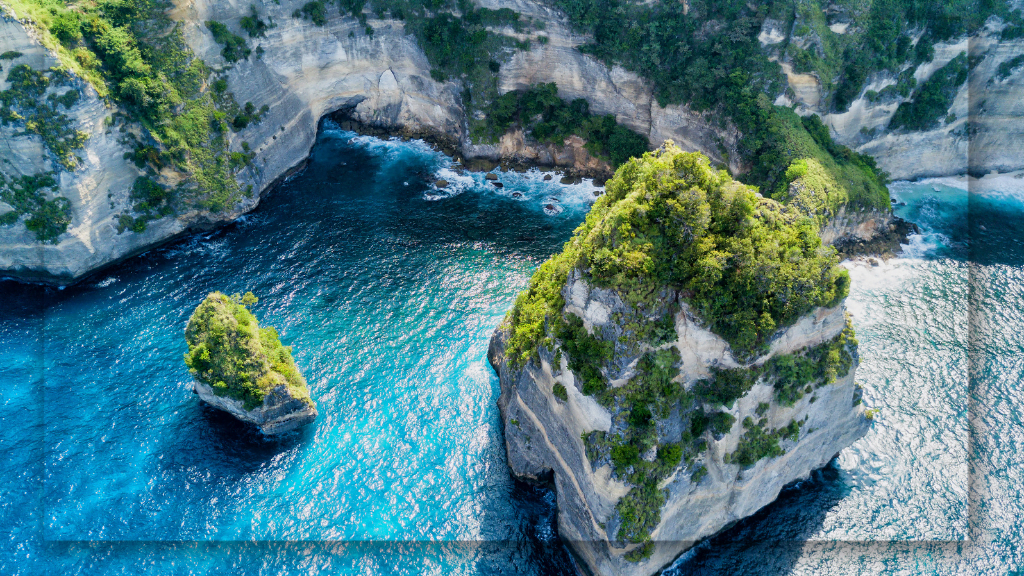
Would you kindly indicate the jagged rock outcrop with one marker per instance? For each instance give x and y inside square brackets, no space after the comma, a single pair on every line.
[243,369]
[280,412]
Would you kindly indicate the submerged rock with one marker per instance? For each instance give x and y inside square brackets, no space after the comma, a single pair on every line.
[243,369]
[490,176]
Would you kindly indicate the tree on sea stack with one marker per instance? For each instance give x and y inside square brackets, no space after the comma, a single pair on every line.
[243,369]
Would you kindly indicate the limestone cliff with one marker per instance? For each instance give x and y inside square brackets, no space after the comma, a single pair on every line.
[545,434]
[280,412]
[983,127]
[243,369]
[301,71]
[670,401]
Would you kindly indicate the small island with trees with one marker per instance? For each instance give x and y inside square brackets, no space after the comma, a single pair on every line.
[243,369]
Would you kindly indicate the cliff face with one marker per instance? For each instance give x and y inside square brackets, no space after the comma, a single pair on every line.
[544,434]
[280,412]
[305,71]
[683,358]
[97,190]
[982,133]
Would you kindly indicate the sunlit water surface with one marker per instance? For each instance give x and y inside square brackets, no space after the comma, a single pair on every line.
[389,290]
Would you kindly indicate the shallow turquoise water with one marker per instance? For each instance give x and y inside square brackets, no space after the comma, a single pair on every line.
[389,290]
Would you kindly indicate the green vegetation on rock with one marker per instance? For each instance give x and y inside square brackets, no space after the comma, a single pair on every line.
[747,265]
[548,118]
[235,47]
[671,226]
[47,219]
[26,103]
[1006,68]
[228,351]
[131,52]
[709,58]
[933,99]
[758,443]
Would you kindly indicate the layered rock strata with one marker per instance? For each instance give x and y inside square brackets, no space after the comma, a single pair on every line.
[383,81]
[280,412]
[544,436]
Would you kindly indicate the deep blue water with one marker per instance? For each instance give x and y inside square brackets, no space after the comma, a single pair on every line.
[389,289]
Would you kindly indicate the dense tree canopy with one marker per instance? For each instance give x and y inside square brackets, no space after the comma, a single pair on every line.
[746,264]
[228,351]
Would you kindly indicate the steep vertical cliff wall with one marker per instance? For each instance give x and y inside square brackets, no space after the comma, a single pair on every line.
[980,132]
[304,72]
[544,434]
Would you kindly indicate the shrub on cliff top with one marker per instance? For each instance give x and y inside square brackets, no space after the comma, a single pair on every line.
[228,351]
[747,265]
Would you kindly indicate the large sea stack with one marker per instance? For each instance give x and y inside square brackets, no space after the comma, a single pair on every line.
[243,369]
[684,357]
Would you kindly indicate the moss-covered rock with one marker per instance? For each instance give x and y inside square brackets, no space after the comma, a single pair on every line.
[242,368]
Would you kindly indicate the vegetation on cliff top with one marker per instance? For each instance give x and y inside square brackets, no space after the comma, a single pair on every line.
[131,52]
[709,57]
[747,265]
[228,351]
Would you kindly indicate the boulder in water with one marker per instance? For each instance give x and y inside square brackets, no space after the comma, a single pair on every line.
[441,183]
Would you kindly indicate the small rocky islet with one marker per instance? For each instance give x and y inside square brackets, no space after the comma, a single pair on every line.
[243,369]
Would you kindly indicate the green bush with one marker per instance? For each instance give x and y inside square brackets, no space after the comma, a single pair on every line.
[1006,68]
[315,11]
[932,101]
[548,118]
[560,392]
[253,25]
[640,553]
[758,443]
[228,351]
[235,48]
[47,219]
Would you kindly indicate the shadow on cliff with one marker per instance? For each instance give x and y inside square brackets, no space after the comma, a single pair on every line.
[771,541]
[529,513]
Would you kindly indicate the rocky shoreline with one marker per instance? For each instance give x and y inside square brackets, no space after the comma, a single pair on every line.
[474,158]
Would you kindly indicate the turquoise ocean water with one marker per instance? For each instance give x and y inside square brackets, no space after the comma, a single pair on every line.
[389,290]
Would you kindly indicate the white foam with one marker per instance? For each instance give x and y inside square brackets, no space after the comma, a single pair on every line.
[1007,185]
